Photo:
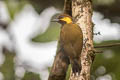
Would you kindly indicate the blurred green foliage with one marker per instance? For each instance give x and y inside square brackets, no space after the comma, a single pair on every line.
[14,6]
[51,34]
[112,64]
[40,5]
[110,8]
[7,67]
[68,72]
[31,76]
[103,2]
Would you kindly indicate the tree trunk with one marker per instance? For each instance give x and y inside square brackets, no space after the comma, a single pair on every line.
[59,68]
[82,13]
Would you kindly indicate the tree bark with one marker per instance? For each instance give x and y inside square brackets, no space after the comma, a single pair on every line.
[82,14]
[59,68]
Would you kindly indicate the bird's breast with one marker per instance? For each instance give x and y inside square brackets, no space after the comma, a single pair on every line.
[70,33]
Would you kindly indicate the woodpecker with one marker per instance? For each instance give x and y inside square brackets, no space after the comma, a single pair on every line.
[71,40]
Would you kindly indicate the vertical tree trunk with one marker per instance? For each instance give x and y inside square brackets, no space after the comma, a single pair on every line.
[82,13]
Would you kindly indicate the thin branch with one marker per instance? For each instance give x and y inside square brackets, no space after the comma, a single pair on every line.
[98,51]
[108,45]
[67,7]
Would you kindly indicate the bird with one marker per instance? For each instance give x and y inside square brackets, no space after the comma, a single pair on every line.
[71,40]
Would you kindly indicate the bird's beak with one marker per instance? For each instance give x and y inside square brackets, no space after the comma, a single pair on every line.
[55,20]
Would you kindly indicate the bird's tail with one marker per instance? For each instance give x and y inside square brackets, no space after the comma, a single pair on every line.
[76,66]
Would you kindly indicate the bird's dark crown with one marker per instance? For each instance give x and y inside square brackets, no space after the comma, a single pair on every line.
[63,19]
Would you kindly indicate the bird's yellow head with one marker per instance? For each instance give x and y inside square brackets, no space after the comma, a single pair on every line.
[63,19]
